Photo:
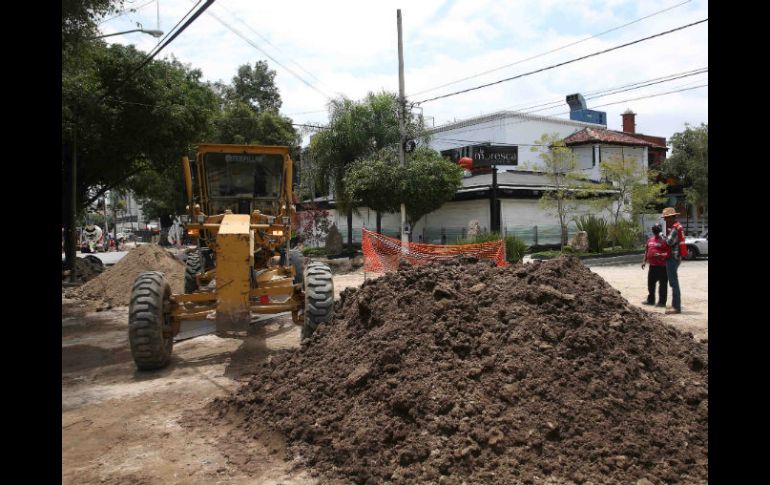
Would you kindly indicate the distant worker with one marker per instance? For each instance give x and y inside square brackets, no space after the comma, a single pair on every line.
[93,237]
[675,239]
[656,254]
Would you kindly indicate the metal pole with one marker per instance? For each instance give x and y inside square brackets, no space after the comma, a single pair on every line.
[72,252]
[494,222]
[402,114]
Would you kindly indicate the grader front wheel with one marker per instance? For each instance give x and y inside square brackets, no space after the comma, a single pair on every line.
[319,297]
[149,325]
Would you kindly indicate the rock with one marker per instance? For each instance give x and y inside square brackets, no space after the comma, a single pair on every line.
[579,242]
[333,241]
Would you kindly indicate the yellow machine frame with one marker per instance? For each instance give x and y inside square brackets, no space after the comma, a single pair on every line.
[244,284]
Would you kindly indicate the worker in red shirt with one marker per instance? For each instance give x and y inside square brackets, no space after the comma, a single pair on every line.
[658,251]
[675,239]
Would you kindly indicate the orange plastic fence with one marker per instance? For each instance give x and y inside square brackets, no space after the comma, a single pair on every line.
[382,253]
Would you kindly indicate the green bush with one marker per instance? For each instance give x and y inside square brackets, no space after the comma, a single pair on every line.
[514,246]
[514,249]
[481,237]
[314,252]
[625,234]
[597,231]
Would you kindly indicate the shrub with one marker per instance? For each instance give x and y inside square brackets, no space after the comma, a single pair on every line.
[514,249]
[597,231]
[625,234]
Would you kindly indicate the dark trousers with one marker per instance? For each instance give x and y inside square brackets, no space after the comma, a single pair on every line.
[657,274]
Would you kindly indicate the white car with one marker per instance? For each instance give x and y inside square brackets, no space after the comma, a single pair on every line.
[697,246]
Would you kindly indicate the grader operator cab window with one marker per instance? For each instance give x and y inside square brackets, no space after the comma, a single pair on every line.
[242,182]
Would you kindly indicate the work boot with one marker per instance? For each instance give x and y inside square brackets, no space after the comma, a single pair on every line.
[673,310]
[661,305]
[648,302]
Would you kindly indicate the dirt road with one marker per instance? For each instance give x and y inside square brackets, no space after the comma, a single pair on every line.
[120,426]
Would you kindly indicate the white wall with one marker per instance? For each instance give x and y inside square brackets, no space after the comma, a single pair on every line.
[510,128]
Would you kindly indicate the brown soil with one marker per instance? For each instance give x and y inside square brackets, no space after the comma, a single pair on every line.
[113,286]
[470,373]
[86,270]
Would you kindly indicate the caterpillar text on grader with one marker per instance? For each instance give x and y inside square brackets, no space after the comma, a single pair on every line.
[242,212]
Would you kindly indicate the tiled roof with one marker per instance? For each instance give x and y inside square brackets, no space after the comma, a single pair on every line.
[594,135]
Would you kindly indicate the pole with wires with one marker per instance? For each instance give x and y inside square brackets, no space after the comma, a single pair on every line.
[401,123]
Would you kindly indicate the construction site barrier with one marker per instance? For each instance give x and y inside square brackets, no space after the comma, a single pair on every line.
[383,253]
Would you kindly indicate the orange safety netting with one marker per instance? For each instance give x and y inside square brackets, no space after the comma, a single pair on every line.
[382,253]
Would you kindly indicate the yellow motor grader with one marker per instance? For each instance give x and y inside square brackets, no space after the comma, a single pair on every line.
[241,211]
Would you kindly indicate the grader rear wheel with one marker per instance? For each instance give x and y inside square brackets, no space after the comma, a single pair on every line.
[319,297]
[193,267]
[149,323]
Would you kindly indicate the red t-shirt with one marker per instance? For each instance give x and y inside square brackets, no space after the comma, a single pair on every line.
[657,245]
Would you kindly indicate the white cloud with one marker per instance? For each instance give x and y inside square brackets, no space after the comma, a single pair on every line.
[350,47]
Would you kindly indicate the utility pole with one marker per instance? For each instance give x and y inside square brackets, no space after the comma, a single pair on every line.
[401,118]
[72,250]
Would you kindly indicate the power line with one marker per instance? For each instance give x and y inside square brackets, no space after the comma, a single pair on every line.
[267,41]
[610,92]
[603,91]
[552,50]
[126,11]
[249,41]
[160,46]
[515,122]
[561,63]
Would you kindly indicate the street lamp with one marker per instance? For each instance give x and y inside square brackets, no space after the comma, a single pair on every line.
[154,33]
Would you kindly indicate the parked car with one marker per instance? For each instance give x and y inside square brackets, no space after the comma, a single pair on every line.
[697,246]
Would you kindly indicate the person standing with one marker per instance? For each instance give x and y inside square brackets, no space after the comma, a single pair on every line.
[675,239]
[657,253]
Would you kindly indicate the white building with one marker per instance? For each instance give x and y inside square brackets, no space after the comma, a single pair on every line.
[510,139]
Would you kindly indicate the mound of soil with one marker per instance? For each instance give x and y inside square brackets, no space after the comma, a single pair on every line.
[114,285]
[86,269]
[469,373]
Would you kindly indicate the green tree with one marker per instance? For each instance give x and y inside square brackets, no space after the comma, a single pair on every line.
[427,182]
[634,186]
[689,163]
[148,122]
[560,167]
[375,183]
[79,17]
[355,131]
[256,87]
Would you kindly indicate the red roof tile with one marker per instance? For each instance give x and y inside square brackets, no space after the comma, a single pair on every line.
[594,135]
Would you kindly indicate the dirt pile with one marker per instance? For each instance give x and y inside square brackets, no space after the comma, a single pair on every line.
[471,373]
[113,286]
[86,269]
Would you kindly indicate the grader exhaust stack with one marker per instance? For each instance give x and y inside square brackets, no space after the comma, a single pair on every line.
[241,209]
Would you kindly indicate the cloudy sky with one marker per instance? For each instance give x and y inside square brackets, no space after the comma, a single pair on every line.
[324,49]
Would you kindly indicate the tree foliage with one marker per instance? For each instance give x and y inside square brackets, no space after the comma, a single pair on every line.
[147,122]
[425,184]
[635,186]
[356,130]
[560,167]
[79,17]
[689,163]
[256,87]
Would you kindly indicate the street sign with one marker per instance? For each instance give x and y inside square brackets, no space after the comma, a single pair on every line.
[489,155]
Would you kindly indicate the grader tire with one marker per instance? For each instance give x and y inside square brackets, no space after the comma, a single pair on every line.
[297,260]
[319,297]
[193,267]
[149,325]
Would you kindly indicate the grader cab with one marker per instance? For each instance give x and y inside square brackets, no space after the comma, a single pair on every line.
[241,211]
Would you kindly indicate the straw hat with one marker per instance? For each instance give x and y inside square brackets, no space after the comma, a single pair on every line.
[669,211]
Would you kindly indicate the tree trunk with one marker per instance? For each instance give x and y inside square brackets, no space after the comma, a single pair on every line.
[350,228]
[379,222]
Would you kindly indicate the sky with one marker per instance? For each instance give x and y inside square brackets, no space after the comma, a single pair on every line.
[323,50]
